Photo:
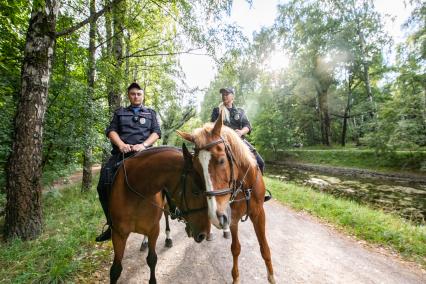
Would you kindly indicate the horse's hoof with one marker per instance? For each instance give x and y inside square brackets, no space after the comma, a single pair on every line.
[144,246]
[210,237]
[169,243]
[227,235]
[271,279]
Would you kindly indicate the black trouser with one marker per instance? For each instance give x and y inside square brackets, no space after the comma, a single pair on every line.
[259,159]
[106,177]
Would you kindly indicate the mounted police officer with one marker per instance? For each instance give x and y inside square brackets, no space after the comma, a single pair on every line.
[132,129]
[235,118]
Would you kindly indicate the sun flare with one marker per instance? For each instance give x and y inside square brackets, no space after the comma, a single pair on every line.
[278,60]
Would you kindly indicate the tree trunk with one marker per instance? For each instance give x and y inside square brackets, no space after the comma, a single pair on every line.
[118,14]
[325,117]
[347,111]
[127,68]
[366,75]
[23,190]
[87,155]
[324,79]
[165,138]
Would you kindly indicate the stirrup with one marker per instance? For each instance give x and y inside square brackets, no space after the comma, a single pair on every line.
[268,197]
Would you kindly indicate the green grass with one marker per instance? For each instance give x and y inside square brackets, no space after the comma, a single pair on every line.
[408,161]
[374,226]
[66,250]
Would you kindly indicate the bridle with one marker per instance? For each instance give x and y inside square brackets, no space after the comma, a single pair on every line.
[174,212]
[232,181]
[235,186]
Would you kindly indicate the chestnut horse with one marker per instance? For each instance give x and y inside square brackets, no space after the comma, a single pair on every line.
[234,185]
[138,194]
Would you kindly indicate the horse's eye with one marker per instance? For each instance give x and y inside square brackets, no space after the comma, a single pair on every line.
[221,161]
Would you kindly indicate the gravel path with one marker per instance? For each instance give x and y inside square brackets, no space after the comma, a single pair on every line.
[303,251]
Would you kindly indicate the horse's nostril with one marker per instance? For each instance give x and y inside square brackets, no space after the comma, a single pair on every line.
[200,237]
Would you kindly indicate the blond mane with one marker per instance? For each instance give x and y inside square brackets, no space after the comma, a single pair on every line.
[242,154]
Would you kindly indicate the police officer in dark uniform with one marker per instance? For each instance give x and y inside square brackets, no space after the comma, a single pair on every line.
[132,129]
[235,118]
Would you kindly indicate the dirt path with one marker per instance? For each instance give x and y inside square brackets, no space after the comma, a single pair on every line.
[303,251]
[72,179]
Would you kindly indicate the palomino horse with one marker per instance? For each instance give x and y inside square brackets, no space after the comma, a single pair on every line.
[234,185]
[137,200]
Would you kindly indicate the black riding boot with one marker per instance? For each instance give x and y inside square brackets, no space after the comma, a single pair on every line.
[105,235]
[103,192]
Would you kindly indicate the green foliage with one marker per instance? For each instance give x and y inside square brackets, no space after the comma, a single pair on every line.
[371,225]
[14,17]
[65,251]
[337,68]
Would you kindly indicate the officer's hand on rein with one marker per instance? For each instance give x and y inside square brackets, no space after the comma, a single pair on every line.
[138,147]
[125,148]
[238,132]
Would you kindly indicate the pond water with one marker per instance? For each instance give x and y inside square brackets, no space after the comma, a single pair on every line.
[406,198]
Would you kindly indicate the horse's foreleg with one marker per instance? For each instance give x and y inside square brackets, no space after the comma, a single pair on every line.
[151,259]
[169,242]
[119,243]
[236,249]
[259,227]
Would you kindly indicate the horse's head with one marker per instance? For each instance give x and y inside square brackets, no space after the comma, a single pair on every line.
[192,200]
[219,154]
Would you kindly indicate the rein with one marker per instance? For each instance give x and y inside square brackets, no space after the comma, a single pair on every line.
[174,212]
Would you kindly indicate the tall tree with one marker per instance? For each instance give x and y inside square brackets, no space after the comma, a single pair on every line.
[23,209]
[88,144]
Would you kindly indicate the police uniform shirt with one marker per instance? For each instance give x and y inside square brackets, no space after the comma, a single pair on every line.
[133,127]
[238,118]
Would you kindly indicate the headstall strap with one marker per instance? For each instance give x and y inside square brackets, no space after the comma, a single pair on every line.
[233,189]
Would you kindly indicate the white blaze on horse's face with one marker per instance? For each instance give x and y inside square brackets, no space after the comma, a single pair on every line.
[204,157]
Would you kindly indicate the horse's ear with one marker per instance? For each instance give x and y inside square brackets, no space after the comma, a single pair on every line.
[186,136]
[186,155]
[218,124]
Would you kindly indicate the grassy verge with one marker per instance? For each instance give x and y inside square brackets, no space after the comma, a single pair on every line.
[65,252]
[365,223]
[409,161]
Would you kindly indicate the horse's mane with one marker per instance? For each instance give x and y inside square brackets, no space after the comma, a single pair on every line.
[242,154]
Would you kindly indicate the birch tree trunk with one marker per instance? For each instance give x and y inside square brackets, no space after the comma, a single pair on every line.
[87,156]
[23,189]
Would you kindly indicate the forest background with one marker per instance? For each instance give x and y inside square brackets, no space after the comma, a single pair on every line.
[338,87]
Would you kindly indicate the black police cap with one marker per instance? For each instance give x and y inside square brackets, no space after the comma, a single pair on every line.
[134,86]
[227,90]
